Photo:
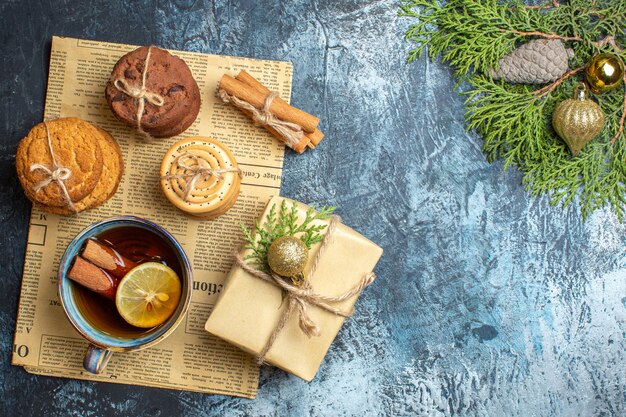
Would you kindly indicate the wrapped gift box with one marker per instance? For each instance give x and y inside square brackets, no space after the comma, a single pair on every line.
[250,308]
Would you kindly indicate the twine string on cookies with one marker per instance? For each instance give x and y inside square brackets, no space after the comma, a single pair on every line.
[291,133]
[140,93]
[194,171]
[57,173]
[299,298]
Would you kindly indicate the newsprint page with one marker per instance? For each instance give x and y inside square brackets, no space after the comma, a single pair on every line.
[190,358]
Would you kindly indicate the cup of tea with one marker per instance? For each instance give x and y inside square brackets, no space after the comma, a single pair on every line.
[95,316]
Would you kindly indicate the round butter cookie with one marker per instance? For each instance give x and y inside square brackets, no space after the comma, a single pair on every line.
[201,177]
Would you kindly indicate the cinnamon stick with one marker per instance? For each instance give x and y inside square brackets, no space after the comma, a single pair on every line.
[107,258]
[279,108]
[314,137]
[90,276]
[298,147]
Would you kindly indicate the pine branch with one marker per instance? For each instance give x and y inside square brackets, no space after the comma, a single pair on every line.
[542,92]
[285,222]
[543,35]
[608,40]
[553,5]
[515,120]
[620,130]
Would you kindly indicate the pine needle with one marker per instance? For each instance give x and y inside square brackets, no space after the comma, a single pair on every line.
[283,223]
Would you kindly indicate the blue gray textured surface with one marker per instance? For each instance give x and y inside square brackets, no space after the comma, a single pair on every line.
[488,302]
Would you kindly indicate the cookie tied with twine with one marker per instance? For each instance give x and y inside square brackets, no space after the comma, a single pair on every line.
[140,93]
[200,176]
[68,165]
[54,173]
[154,91]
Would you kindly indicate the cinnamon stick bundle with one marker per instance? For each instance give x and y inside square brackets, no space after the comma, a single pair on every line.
[314,137]
[246,88]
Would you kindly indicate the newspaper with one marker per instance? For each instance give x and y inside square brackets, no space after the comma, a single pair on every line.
[189,359]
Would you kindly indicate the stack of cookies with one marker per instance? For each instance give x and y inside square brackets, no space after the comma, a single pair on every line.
[200,176]
[68,165]
[160,99]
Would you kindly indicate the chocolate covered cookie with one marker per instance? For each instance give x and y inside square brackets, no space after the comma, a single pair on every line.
[161,98]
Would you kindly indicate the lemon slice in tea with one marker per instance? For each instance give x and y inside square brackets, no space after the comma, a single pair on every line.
[148,294]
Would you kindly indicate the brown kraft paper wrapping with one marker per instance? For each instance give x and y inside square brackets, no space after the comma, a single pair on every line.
[249,308]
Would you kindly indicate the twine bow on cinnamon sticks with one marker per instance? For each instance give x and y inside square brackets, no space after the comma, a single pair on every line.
[300,298]
[296,128]
[194,171]
[140,93]
[57,173]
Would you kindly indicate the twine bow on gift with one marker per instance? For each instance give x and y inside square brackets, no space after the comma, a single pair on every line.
[193,172]
[140,93]
[300,298]
[57,173]
[291,133]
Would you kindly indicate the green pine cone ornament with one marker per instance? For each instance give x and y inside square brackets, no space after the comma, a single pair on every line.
[537,62]
[578,120]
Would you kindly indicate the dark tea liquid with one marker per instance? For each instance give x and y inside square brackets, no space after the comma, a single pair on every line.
[138,245]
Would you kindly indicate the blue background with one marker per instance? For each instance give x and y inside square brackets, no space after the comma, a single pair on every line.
[488,302]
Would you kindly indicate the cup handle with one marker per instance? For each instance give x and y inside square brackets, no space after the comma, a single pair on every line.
[96,359]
